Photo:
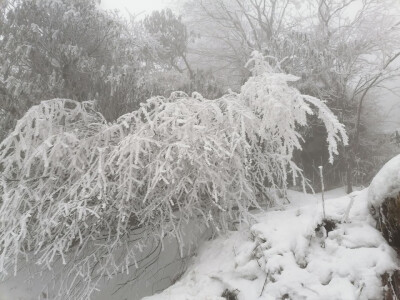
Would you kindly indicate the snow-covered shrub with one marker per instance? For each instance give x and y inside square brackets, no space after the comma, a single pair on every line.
[90,194]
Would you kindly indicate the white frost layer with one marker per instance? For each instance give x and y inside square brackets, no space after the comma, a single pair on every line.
[282,257]
[386,183]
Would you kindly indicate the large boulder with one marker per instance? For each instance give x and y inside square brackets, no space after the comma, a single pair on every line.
[386,184]
[384,202]
[388,218]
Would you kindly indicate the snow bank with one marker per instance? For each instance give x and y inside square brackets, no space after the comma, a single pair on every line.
[283,256]
[386,183]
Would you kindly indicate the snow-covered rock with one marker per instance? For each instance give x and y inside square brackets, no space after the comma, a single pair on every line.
[386,184]
[288,255]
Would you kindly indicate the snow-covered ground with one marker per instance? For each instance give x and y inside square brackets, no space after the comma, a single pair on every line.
[282,255]
[285,256]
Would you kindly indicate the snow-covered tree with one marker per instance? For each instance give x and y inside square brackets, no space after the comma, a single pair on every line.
[172,36]
[344,51]
[82,197]
[71,49]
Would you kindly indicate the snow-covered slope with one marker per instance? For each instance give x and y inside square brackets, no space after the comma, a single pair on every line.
[281,256]
[287,255]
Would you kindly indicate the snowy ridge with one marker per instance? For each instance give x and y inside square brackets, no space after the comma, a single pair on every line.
[283,256]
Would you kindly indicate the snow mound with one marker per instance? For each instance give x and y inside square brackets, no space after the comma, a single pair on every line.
[289,255]
[386,183]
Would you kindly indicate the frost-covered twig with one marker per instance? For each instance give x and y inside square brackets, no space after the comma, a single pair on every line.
[322,190]
[346,214]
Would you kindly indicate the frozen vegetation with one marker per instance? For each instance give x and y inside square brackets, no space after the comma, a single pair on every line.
[88,196]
